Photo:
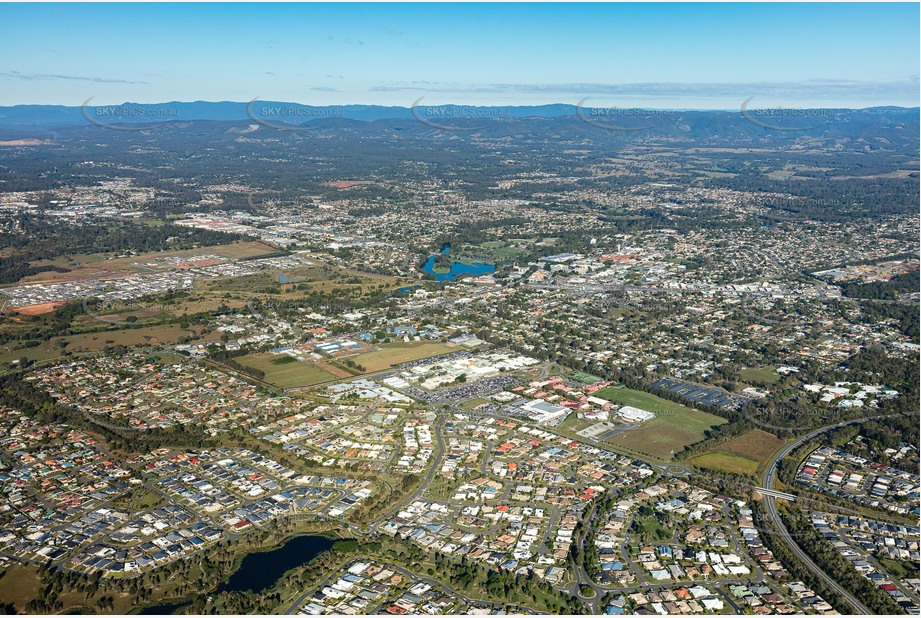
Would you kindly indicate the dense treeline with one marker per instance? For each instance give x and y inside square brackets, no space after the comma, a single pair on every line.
[874,365]
[45,326]
[907,316]
[884,290]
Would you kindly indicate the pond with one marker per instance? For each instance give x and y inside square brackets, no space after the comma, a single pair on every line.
[259,571]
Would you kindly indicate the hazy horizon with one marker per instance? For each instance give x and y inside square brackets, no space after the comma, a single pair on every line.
[587,105]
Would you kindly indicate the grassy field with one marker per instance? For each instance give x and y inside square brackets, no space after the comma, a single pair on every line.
[744,454]
[153,335]
[287,375]
[101,264]
[650,525]
[500,249]
[725,462]
[19,585]
[139,499]
[400,352]
[573,424]
[38,353]
[96,342]
[756,445]
[318,278]
[674,427]
[764,375]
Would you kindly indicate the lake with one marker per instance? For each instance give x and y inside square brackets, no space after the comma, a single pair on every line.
[259,571]
[458,269]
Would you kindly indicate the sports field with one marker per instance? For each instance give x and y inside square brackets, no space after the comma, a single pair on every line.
[675,426]
[766,375]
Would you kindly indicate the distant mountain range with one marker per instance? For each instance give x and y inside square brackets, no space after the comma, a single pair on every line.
[878,129]
[282,112]
[285,114]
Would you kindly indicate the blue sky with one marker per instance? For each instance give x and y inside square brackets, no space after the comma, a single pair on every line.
[651,55]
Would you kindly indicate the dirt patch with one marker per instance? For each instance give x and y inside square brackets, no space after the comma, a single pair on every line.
[40,308]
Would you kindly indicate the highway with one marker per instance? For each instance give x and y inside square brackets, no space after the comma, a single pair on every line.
[770,475]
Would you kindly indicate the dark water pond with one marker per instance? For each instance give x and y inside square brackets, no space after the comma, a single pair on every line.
[259,571]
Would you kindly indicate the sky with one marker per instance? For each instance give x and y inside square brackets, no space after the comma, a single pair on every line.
[675,56]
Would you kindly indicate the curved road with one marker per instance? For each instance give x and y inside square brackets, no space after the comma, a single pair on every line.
[770,475]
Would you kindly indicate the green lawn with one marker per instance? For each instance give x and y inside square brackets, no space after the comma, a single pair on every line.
[672,412]
[585,378]
[726,462]
[896,569]
[574,424]
[651,526]
[674,427]
[764,375]
[287,375]
[37,353]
